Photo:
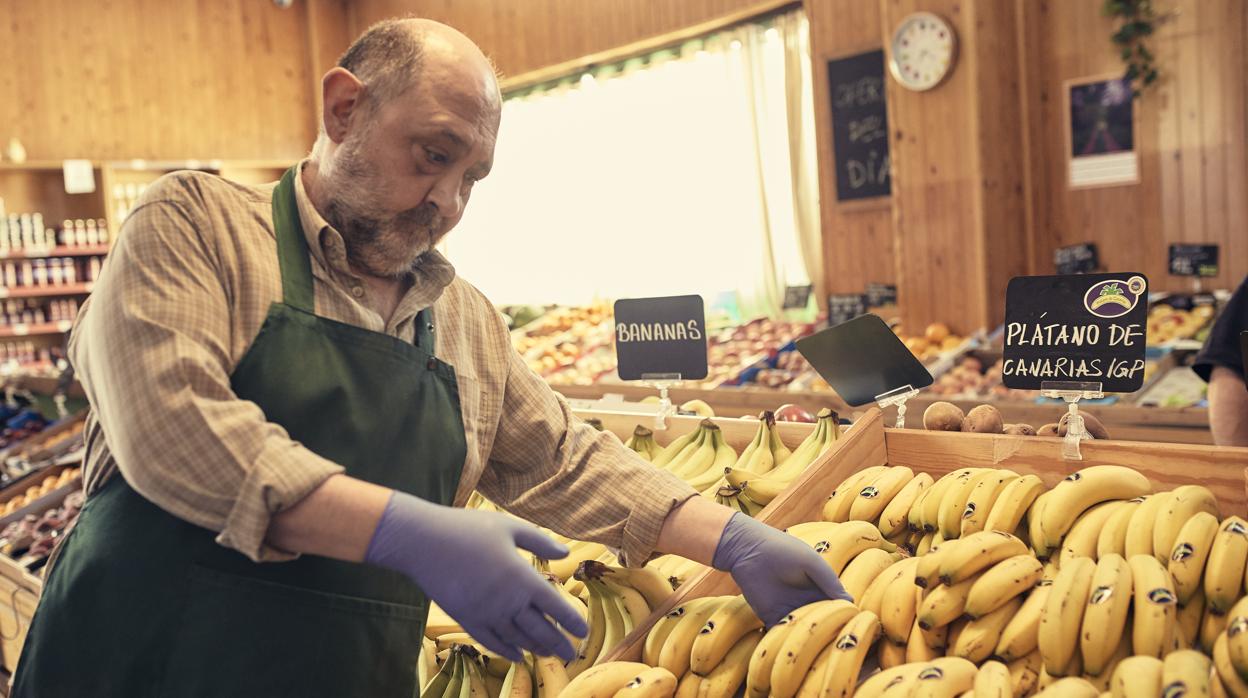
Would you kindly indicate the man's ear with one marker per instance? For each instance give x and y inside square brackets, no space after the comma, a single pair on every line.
[341,92]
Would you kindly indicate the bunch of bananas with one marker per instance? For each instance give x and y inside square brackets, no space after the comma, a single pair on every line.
[699,457]
[766,468]
[707,643]
[619,600]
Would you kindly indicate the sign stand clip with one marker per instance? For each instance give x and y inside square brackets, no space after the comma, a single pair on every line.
[897,397]
[1072,393]
[662,381]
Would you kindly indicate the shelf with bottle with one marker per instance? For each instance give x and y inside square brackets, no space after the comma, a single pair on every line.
[24,235]
[23,317]
[48,276]
[30,356]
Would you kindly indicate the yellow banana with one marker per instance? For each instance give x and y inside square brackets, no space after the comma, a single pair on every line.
[750,457]
[1062,616]
[851,539]
[1211,626]
[914,517]
[439,683]
[813,628]
[1035,534]
[806,452]
[779,452]
[655,682]
[930,515]
[976,553]
[616,617]
[849,651]
[946,676]
[891,654]
[474,685]
[890,679]
[647,581]
[675,653]
[1140,528]
[726,677]
[1224,570]
[1237,637]
[593,643]
[758,673]
[979,639]
[924,546]
[1021,635]
[664,627]
[675,448]
[944,604]
[872,598]
[841,501]
[1189,617]
[549,677]
[809,688]
[982,499]
[924,646]
[677,463]
[730,622]
[1004,581]
[868,566]
[953,505]
[1186,673]
[895,517]
[872,498]
[1185,502]
[688,686]
[1153,622]
[518,683]
[1231,681]
[1105,618]
[1080,541]
[1081,490]
[1013,502]
[1025,673]
[1190,552]
[927,574]
[1070,687]
[993,681]
[603,680]
[1113,535]
[897,608]
[1137,676]
[577,553]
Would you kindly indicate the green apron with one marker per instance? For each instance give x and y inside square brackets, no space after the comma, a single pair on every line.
[141,603]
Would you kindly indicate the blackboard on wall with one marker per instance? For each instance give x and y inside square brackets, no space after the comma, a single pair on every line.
[859,126]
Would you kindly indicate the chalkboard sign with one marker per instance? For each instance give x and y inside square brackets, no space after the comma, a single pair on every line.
[1076,259]
[843,307]
[1076,328]
[879,295]
[1194,260]
[661,336]
[862,359]
[859,126]
[797,297]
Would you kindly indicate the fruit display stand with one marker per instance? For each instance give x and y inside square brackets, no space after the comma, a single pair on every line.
[869,443]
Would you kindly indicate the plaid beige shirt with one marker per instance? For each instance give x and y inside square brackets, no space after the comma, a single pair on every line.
[185,290]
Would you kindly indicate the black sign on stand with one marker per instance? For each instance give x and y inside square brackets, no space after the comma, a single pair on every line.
[797,297]
[1077,259]
[859,126]
[843,307]
[863,359]
[879,295]
[1193,260]
[661,336]
[1076,328]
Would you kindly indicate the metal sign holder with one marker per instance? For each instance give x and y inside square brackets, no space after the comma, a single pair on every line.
[663,382]
[897,397]
[1072,392]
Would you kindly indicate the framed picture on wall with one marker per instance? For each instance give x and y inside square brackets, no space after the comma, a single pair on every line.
[1100,132]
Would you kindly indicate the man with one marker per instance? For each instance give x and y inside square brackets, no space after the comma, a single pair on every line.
[289,381]
[1221,363]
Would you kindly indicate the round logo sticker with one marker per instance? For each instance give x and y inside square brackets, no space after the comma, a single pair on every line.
[1113,298]
[1100,595]
[676,612]
[1236,527]
[1182,551]
[708,628]
[894,682]
[970,510]
[1045,583]
[822,546]
[1161,597]
[848,641]
[1175,689]
[869,492]
[1237,626]
[931,673]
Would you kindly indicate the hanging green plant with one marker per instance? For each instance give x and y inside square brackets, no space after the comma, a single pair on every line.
[1137,21]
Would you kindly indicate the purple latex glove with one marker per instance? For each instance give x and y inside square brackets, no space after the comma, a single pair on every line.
[776,572]
[466,561]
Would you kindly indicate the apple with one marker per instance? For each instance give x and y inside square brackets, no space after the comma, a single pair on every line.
[794,413]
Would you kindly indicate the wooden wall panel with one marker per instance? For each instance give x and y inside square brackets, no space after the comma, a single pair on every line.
[156,79]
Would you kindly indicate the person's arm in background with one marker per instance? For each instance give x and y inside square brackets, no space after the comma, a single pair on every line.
[1228,407]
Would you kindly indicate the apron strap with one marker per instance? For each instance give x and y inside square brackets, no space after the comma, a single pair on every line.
[292,247]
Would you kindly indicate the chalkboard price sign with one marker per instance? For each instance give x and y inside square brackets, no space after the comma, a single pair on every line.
[859,126]
[661,336]
[1076,328]
[1076,259]
[862,359]
[880,295]
[843,307]
[797,297]
[1194,260]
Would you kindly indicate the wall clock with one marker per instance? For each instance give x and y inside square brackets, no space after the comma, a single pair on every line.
[924,49]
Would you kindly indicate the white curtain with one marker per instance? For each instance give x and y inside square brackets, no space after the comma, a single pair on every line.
[681,172]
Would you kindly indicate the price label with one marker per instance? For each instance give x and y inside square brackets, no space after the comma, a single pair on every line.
[661,336]
[843,307]
[863,359]
[4,292]
[21,329]
[1076,259]
[1076,328]
[797,297]
[879,295]
[1194,260]
[64,326]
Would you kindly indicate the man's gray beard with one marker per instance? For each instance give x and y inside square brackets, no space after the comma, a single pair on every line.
[379,247]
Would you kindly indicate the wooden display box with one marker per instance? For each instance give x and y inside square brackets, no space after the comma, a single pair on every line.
[19,594]
[868,444]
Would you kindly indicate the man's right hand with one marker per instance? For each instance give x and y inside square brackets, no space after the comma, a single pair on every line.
[465,560]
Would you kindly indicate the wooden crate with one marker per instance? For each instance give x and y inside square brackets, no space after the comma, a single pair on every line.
[869,443]
[19,594]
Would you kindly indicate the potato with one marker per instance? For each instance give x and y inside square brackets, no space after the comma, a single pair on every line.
[943,416]
[1047,430]
[1090,424]
[984,419]
[1020,430]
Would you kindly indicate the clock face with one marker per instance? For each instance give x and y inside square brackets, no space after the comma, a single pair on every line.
[924,49]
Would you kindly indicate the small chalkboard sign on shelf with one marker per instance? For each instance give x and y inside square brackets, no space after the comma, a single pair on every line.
[859,126]
[843,307]
[661,337]
[880,295]
[1076,259]
[1085,328]
[1193,260]
[797,297]
[863,359]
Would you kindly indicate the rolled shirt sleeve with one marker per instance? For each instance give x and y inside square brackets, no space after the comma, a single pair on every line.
[151,348]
